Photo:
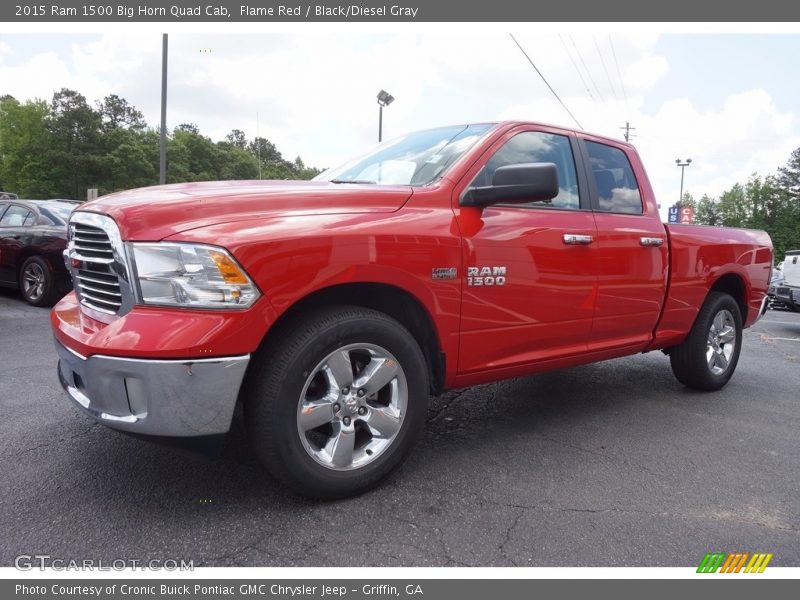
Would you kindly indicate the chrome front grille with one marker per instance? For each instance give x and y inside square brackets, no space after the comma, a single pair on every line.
[97,285]
[92,241]
[96,258]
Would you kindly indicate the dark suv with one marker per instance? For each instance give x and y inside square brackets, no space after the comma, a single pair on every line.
[33,236]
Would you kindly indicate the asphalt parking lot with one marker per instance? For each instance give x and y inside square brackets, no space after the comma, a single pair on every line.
[612,464]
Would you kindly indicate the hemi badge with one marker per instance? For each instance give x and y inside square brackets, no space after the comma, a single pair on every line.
[444,273]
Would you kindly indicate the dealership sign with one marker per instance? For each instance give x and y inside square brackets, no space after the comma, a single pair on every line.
[673,214]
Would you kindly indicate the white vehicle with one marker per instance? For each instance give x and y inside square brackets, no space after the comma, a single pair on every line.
[788,290]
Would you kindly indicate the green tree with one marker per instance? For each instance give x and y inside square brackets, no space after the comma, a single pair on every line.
[129,160]
[200,153]
[760,203]
[116,113]
[237,138]
[74,139]
[732,207]
[235,162]
[188,128]
[789,175]
[24,147]
[706,212]
[61,148]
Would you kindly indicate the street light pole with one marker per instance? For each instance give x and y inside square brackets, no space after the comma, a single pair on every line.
[384,99]
[162,175]
[683,166]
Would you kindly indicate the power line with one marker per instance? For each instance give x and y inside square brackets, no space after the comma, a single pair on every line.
[545,81]
[603,62]
[619,73]
[588,72]
[575,65]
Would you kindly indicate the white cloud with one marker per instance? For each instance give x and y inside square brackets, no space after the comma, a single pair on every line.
[746,134]
[36,78]
[315,94]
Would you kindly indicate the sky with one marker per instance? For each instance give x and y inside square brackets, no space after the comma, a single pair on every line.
[727,101]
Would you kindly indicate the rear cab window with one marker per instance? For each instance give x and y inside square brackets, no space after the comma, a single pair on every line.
[615,184]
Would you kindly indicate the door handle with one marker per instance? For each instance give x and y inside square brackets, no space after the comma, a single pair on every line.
[574,239]
[651,241]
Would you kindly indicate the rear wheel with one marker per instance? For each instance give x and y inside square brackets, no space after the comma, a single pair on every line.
[334,404]
[707,358]
[37,282]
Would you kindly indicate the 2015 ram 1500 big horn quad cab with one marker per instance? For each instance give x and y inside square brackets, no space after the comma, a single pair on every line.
[332,308]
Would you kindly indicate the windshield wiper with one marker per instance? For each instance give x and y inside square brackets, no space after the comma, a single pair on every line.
[360,181]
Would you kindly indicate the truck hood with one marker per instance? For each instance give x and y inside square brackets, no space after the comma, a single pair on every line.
[153,213]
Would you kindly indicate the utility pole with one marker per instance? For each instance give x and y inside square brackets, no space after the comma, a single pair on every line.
[162,175]
[628,129]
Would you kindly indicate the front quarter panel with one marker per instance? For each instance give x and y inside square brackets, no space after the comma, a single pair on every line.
[291,257]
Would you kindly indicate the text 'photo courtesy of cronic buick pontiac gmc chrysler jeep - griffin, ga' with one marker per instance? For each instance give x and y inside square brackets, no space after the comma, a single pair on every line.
[331,309]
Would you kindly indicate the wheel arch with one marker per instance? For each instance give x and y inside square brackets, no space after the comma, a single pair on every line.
[734,285]
[391,300]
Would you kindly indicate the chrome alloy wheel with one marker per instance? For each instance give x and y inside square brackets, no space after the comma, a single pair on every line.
[721,342]
[352,406]
[33,280]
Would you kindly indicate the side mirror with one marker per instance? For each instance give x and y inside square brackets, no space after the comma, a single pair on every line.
[526,182]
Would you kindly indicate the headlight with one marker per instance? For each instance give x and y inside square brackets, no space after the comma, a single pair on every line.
[191,275]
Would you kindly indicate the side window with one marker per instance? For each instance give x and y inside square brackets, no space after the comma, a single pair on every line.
[15,216]
[538,147]
[617,190]
[2,208]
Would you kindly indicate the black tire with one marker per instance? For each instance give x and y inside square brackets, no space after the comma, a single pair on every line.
[689,359]
[277,384]
[37,282]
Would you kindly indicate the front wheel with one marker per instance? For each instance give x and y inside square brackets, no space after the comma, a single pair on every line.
[707,358]
[335,403]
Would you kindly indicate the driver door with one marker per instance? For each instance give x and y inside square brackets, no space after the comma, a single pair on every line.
[530,269]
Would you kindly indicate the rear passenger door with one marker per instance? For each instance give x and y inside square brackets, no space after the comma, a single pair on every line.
[631,248]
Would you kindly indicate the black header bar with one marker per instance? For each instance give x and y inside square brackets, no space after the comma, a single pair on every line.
[410,11]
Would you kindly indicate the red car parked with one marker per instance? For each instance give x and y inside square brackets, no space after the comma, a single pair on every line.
[332,308]
[33,236]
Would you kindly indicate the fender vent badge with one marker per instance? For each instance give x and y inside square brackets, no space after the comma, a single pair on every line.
[444,273]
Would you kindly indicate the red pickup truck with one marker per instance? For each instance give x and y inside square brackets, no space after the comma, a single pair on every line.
[331,309]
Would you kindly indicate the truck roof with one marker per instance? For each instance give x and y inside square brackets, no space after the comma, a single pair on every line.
[516,122]
[565,128]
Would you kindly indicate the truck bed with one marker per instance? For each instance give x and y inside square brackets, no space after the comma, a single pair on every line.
[703,256]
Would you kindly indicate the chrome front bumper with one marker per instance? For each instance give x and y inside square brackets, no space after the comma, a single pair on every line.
[171,398]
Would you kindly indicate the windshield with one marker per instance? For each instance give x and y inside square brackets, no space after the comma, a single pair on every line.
[414,159]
